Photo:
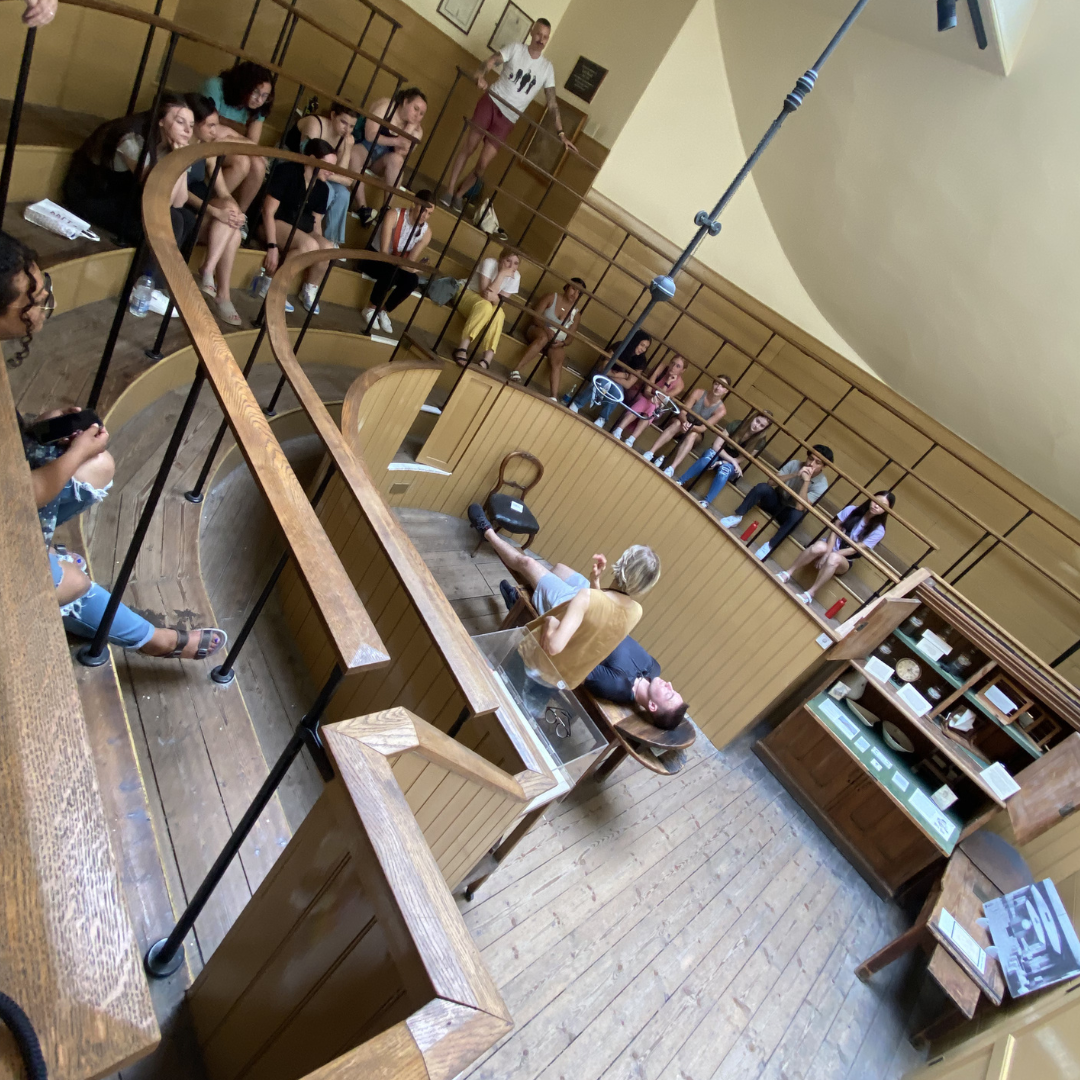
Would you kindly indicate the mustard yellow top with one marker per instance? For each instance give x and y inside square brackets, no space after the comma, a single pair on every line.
[605,624]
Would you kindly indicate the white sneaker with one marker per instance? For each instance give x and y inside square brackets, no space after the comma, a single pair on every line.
[617,433]
[367,314]
[599,421]
[704,504]
[289,309]
[307,296]
[670,471]
[647,456]
[763,552]
[575,408]
[159,302]
[730,521]
[630,441]
[385,323]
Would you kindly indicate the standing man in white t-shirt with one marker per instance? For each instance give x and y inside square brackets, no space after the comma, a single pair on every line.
[524,72]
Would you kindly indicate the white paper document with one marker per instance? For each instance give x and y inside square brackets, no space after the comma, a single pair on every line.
[1000,780]
[966,945]
[901,781]
[878,669]
[914,700]
[839,718]
[932,647]
[933,817]
[862,745]
[883,760]
[516,506]
[1004,703]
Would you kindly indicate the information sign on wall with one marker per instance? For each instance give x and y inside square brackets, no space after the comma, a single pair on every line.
[585,79]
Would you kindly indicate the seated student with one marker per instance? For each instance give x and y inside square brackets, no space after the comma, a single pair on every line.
[635,357]
[579,622]
[749,434]
[808,481]
[102,187]
[337,130]
[380,149]
[556,307]
[630,676]
[480,304]
[403,232]
[863,524]
[69,479]
[220,228]
[244,96]
[285,205]
[642,409]
[702,404]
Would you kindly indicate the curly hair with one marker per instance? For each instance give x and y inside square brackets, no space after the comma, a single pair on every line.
[15,259]
[238,82]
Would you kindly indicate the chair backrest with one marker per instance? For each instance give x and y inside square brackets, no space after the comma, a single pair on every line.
[523,488]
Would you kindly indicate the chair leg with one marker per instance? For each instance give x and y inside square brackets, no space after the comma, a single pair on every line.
[528,541]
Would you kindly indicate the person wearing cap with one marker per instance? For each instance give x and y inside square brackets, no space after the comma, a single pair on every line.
[808,481]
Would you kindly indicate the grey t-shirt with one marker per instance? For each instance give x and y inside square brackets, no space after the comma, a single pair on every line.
[818,485]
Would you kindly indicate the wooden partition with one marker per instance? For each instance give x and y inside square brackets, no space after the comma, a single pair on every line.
[68,954]
[727,634]
[351,961]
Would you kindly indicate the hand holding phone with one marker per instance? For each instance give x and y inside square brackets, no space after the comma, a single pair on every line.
[55,429]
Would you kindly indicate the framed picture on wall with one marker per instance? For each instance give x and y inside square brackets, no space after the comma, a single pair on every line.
[462,13]
[513,25]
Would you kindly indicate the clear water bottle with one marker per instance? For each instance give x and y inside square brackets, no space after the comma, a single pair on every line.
[260,284]
[140,297]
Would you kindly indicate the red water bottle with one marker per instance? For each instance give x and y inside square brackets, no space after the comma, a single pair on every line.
[749,532]
[831,613]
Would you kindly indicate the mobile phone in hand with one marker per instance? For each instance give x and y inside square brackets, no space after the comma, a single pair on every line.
[58,428]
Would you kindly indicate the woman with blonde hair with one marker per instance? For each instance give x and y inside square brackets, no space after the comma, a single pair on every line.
[580,623]
[495,279]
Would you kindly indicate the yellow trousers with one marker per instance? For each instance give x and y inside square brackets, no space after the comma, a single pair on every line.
[478,314]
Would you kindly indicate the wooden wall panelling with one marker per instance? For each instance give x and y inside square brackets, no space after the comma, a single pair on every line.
[735,325]
[806,374]
[898,439]
[461,417]
[969,491]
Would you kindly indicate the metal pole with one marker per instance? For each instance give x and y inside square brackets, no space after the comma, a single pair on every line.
[431,135]
[16,118]
[247,29]
[662,288]
[133,100]
[375,72]
[352,59]
[136,262]
[280,39]
[95,654]
[288,42]
[223,673]
[1070,651]
[154,352]
[165,956]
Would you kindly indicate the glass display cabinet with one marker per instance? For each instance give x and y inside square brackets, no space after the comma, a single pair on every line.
[927,721]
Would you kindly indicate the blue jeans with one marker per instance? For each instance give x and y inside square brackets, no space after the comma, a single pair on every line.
[724,473]
[584,395]
[82,617]
[337,209]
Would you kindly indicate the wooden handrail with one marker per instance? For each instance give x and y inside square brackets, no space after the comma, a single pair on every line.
[303,16]
[110,8]
[68,955]
[348,625]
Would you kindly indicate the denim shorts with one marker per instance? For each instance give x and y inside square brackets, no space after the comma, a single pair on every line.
[82,616]
[380,150]
[551,590]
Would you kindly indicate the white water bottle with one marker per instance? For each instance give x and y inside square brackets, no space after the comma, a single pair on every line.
[260,284]
[140,297]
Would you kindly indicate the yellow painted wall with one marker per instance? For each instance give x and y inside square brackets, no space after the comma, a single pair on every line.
[675,156]
[928,206]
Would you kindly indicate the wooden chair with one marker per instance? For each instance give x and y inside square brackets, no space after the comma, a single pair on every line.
[509,513]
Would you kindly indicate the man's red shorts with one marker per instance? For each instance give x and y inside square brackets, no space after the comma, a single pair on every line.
[490,118]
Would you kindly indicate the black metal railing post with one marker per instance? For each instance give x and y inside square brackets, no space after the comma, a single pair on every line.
[431,134]
[16,118]
[95,654]
[247,29]
[378,67]
[223,674]
[137,258]
[143,60]
[352,59]
[167,955]
[154,352]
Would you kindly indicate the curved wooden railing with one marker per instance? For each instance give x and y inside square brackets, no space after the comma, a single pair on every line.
[68,954]
[351,960]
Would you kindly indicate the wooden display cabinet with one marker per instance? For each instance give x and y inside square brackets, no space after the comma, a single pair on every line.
[897,777]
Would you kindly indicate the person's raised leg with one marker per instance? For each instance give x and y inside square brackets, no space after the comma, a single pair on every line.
[804,558]
[234,171]
[689,442]
[538,336]
[514,559]
[665,437]
[831,565]
[250,185]
[687,479]
[389,167]
[723,475]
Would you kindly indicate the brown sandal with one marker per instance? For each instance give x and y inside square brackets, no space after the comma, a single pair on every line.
[204,650]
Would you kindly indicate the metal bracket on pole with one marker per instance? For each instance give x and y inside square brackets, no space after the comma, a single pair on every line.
[703,221]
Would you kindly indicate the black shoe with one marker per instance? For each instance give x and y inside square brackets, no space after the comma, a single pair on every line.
[478,519]
[367,215]
[509,593]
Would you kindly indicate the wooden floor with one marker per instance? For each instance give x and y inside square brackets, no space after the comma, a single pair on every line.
[693,926]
